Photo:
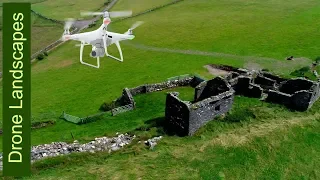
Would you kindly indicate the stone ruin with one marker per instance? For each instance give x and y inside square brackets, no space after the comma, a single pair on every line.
[126,101]
[215,97]
[297,94]
[212,98]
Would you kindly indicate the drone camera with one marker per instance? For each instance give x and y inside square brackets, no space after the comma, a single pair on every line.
[93,53]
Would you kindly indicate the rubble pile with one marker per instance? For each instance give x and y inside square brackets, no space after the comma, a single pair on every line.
[63,148]
[152,142]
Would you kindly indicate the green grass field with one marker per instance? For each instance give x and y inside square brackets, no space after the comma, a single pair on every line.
[138,6]
[43,32]
[269,141]
[70,9]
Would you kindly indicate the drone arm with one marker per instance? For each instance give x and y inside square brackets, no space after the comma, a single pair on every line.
[120,52]
[105,44]
[81,54]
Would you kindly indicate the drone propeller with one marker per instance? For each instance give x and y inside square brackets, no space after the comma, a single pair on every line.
[68,23]
[113,14]
[136,24]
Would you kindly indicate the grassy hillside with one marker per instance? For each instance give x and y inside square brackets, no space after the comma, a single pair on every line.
[61,9]
[284,149]
[256,139]
[31,1]
[43,33]
[138,5]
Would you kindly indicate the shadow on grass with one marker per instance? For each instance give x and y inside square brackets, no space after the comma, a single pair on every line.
[156,127]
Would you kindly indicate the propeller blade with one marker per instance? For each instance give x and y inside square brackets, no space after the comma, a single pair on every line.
[136,24]
[91,13]
[68,23]
[112,14]
[78,45]
[115,14]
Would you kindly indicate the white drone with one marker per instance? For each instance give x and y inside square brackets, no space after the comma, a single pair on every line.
[100,39]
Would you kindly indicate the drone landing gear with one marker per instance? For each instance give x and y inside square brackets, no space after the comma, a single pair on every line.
[120,52]
[82,62]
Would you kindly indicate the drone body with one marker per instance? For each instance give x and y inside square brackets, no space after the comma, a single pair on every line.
[100,38]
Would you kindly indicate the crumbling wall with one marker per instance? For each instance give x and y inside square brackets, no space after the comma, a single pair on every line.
[278,79]
[316,94]
[209,88]
[176,115]
[213,98]
[293,85]
[196,81]
[126,98]
[168,84]
[297,94]
[138,90]
[265,82]
[204,111]
[301,100]
[278,97]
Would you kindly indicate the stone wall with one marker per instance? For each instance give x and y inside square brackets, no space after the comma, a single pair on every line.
[293,85]
[209,88]
[297,94]
[177,115]
[126,98]
[127,94]
[212,98]
[207,109]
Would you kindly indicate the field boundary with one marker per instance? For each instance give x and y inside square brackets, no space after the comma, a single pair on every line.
[84,120]
[109,6]
[149,10]
[47,18]
[55,44]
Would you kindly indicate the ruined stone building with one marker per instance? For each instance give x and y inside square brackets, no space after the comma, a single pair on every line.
[297,94]
[215,97]
[212,98]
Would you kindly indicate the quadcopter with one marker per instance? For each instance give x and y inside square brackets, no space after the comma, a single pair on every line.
[100,38]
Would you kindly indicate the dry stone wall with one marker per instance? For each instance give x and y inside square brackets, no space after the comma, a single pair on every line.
[126,101]
[297,94]
[212,98]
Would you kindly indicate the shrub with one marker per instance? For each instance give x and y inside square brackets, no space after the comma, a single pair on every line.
[92,25]
[265,70]
[300,72]
[317,60]
[45,53]
[40,57]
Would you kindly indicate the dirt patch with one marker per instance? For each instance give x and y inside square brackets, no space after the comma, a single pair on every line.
[64,63]
[215,71]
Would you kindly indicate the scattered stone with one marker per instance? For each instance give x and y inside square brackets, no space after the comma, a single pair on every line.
[62,148]
[289,58]
[152,142]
